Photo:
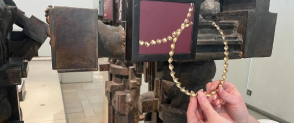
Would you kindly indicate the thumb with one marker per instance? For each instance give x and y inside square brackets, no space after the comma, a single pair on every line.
[191,112]
[229,98]
[206,106]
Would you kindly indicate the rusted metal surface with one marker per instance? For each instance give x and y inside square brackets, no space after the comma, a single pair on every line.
[119,102]
[112,46]
[209,9]
[27,42]
[120,118]
[111,87]
[12,72]
[146,102]
[25,69]
[26,49]
[32,27]
[8,16]
[256,24]
[119,70]
[170,114]
[104,67]
[152,117]
[123,92]
[206,56]
[74,39]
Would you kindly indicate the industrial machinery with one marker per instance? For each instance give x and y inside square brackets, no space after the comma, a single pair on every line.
[138,35]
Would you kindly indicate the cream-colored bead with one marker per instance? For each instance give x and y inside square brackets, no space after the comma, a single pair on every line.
[188,15]
[225,71]
[164,40]
[171,53]
[226,65]
[179,85]
[187,93]
[186,21]
[226,59]
[179,32]
[183,89]
[147,44]
[171,67]
[175,39]
[226,53]
[174,34]
[183,26]
[158,41]
[224,76]
[141,42]
[170,60]
[226,42]
[226,47]
[170,38]
[153,42]
[172,46]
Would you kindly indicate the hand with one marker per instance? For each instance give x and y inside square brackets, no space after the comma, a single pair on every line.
[204,112]
[228,101]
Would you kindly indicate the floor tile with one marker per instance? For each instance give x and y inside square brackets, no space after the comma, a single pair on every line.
[88,110]
[95,99]
[77,120]
[92,92]
[66,101]
[71,116]
[95,119]
[74,110]
[82,95]
[73,105]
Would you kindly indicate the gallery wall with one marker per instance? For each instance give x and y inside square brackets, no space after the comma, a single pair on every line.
[37,8]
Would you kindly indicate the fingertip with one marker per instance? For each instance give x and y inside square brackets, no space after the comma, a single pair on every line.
[201,95]
[214,97]
[208,87]
[193,100]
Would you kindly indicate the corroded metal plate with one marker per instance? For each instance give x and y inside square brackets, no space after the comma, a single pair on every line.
[74,39]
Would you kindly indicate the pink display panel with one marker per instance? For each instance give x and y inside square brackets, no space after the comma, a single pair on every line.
[108,9]
[159,20]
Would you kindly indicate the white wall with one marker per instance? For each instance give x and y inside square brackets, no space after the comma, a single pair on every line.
[271,80]
[37,8]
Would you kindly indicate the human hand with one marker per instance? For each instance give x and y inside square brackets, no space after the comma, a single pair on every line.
[201,111]
[229,100]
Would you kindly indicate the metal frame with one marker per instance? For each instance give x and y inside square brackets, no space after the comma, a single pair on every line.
[136,57]
[101,7]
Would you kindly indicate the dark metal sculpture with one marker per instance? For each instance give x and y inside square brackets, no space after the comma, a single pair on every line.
[78,40]
[15,47]
[165,102]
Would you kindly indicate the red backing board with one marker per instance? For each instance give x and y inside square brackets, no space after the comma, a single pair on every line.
[108,9]
[160,19]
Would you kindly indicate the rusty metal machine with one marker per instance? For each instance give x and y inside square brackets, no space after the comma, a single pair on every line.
[16,49]
[80,36]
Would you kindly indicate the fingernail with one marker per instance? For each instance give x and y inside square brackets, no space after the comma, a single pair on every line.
[214,97]
[220,89]
[211,87]
[201,95]
[218,102]
[218,106]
